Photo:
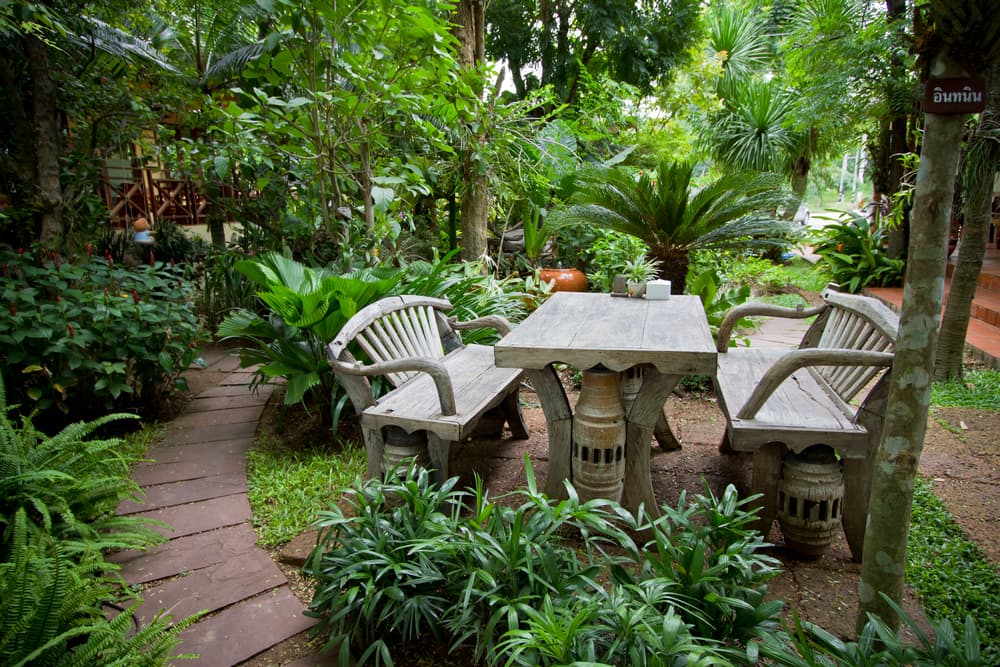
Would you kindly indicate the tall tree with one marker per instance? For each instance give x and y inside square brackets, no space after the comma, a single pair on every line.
[638,43]
[58,57]
[980,163]
[959,38]
[470,28]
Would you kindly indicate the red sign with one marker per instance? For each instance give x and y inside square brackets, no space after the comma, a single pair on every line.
[954,95]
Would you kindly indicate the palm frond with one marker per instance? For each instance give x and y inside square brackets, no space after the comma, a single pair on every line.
[93,33]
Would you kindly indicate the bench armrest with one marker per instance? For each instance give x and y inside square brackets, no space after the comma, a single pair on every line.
[501,324]
[803,358]
[758,310]
[437,371]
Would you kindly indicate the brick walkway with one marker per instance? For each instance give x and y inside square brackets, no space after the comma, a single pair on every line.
[196,482]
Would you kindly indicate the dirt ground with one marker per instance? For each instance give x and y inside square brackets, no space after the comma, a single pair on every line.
[961,455]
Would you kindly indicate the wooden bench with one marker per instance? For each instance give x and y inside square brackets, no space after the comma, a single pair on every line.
[441,387]
[778,400]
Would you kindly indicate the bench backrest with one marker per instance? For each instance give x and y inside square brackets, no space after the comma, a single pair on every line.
[399,327]
[854,322]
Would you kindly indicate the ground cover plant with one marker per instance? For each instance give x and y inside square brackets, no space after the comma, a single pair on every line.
[287,484]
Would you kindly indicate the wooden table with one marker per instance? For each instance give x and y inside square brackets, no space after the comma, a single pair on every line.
[667,339]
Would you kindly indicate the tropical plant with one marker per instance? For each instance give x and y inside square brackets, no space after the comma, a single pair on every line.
[672,217]
[88,334]
[717,298]
[68,485]
[640,269]
[854,254]
[806,645]
[307,309]
[52,610]
[535,581]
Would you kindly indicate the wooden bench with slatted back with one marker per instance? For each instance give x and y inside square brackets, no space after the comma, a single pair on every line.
[441,387]
[778,399]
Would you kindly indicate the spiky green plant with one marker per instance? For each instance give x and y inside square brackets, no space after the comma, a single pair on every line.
[674,217]
[68,485]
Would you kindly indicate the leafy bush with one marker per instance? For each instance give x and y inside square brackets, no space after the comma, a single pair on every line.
[67,485]
[608,254]
[523,583]
[223,288]
[308,306]
[717,298]
[88,336]
[853,253]
[807,645]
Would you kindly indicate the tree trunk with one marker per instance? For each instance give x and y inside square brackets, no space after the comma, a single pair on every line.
[475,200]
[883,566]
[48,143]
[893,140]
[981,161]
[674,264]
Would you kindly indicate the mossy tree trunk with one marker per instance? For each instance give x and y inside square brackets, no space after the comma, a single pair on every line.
[883,566]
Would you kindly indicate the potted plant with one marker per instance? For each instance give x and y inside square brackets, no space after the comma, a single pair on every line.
[638,271]
[538,231]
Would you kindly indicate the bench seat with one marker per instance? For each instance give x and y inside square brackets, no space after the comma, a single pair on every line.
[801,412]
[478,384]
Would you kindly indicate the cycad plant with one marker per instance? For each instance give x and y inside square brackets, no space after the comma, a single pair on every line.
[674,217]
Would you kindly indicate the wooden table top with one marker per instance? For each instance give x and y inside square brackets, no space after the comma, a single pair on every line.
[585,329]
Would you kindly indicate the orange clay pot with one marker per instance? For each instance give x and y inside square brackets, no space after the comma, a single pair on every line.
[566,280]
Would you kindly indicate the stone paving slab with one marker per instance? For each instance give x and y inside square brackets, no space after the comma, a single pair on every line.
[212,588]
[199,434]
[245,629]
[224,460]
[185,554]
[237,415]
[203,403]
[201,516]
[235,390]
[187,491]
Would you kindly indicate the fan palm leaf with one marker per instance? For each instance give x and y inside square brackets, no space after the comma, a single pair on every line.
[673,217]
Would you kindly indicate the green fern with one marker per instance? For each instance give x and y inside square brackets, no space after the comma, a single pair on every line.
[68,485]
[51,610]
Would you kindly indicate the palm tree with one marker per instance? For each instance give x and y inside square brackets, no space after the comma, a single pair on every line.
[673,217]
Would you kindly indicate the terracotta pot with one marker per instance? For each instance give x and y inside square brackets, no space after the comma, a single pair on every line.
[566,280]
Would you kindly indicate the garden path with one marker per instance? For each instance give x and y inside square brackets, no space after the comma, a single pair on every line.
[195,481]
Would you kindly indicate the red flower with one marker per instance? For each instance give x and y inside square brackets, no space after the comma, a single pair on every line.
[90,249]
[135,295]
[69,328]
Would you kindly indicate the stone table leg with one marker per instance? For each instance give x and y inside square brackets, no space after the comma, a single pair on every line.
[641,421]
[559,422]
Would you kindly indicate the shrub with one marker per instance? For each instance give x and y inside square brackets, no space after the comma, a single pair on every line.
[853,253]
[87,336]
[307,308]
[523,583]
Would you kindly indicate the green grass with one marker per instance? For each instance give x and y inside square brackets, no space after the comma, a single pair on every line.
[949,573]
[287,488]
[979,389]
